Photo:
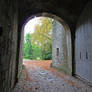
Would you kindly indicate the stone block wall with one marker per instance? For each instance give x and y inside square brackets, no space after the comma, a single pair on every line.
[61,48]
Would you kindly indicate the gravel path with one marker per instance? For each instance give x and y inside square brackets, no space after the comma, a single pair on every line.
[43,80]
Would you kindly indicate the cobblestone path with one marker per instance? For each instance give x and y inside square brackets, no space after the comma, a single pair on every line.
[42,78]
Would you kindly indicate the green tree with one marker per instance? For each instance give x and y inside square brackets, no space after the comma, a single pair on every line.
[42,36]
[37,54]
[28,52]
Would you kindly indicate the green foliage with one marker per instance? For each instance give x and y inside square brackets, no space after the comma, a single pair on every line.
[48,56]
[36,52]
[42,36]
[28,52]
[38,45]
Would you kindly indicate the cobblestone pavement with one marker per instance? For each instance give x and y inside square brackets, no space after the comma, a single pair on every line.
[45,80]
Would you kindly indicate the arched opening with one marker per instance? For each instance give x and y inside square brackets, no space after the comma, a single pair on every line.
[61,42]
[61,50]
[38,39]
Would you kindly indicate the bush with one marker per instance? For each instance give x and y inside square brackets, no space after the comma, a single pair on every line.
[48,56]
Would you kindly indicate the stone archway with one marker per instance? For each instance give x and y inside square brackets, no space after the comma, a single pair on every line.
[65,61]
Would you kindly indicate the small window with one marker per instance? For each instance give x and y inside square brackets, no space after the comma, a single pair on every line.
[57,51]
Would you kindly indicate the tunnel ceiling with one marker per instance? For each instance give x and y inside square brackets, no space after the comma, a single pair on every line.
[68,10]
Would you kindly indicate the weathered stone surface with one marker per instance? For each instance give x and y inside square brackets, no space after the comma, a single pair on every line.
[8,44]
[61,48]
[68,10]
[12,17]
[83,44]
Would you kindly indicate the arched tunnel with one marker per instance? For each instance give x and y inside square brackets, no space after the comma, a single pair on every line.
[76,18]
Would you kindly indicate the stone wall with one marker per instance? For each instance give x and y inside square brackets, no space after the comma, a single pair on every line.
[21,50]
[61,48]
[8,44]
[83,44]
